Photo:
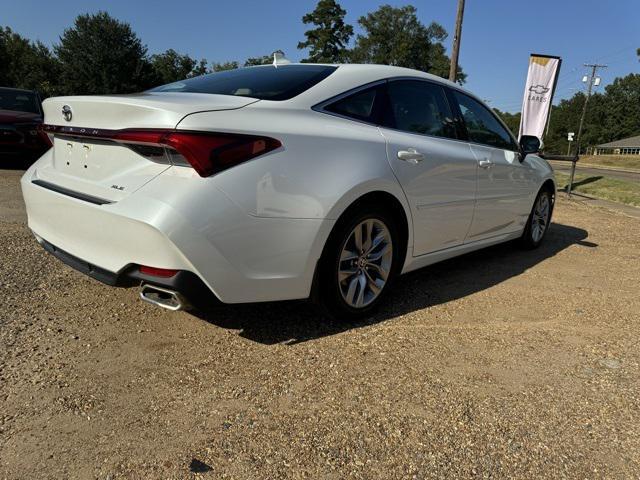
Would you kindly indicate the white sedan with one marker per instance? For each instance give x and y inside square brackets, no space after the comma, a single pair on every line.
[281,182]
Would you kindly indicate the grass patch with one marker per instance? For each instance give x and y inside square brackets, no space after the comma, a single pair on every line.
[602,187]
[620,161]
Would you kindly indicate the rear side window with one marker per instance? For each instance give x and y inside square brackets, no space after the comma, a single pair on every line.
[419,107]
[360,105]
[482,125]
[263,82]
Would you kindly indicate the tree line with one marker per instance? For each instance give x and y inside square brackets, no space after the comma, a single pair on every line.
[100,54]
[612,115]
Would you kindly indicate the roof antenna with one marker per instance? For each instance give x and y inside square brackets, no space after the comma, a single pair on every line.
[280,59]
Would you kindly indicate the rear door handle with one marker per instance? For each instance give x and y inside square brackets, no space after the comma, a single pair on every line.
[410,155]
[485,163]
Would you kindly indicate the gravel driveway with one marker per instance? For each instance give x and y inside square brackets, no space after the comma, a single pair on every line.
[503,363]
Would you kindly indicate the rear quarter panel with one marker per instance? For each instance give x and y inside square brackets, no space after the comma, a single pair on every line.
[325,163]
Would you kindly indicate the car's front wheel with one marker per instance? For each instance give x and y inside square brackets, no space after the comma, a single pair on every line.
[539,220]
[359,263]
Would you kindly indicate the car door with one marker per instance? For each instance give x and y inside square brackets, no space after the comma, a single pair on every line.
[436,170]
[504,184]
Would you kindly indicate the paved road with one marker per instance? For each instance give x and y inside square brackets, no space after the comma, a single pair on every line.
[565,167]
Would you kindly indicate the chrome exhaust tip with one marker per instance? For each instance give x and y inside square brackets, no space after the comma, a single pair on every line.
[162,297]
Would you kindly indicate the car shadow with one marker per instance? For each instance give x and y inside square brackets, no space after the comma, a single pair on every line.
[300,321]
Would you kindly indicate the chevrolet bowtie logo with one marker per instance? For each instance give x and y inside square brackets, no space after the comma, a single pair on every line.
[538,89]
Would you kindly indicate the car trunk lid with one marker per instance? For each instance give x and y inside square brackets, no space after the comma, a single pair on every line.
[142,110]
[87,161]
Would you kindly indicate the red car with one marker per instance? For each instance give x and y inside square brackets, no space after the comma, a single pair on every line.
[20,118]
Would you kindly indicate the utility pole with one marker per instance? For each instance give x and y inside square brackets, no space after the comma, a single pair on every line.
[453,69]
[591,81]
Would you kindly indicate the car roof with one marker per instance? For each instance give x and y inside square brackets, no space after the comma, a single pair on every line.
[349,76]
[386,71]
[11,89]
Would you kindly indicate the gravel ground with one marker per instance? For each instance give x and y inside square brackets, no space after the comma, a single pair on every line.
[500,364]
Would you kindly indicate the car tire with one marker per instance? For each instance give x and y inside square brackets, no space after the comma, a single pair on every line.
[539,220]
[358,269]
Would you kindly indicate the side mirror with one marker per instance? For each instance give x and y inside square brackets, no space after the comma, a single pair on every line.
[530,144]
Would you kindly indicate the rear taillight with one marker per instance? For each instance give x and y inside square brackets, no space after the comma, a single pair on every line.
[44,137]
[208,153]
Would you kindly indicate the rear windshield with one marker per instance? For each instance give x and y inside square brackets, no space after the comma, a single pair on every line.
[19,101]
[263,82]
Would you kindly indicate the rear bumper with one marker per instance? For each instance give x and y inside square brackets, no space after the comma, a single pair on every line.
[186,283]
[183,224]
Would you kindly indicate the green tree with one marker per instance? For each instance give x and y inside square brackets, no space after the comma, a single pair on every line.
[327,43]
[264,60]
[171,66]
[25,64]
[221,67]
[618,110]
[200,68]
[611,115]
[395,36]
[102,55]
[565,118]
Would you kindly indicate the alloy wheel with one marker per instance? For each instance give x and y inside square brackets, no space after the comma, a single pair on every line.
[365,263]
[540,218]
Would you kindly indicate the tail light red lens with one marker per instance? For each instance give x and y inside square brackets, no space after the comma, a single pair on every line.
[45,138]
[157,272]
[207,152]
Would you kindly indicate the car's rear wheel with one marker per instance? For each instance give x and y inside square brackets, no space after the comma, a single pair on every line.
[539,220]
[359,263]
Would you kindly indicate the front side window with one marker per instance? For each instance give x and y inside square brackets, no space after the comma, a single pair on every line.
[419,107]
[263,82]
[482,125]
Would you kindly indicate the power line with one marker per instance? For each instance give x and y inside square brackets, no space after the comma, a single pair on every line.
[626,49]
[606,56]
[572,75]
[568,79]
[563,88]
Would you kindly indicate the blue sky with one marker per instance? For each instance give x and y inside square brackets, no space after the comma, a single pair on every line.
[498,35]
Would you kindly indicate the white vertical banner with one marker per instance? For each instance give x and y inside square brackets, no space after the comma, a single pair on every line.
[538,94]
